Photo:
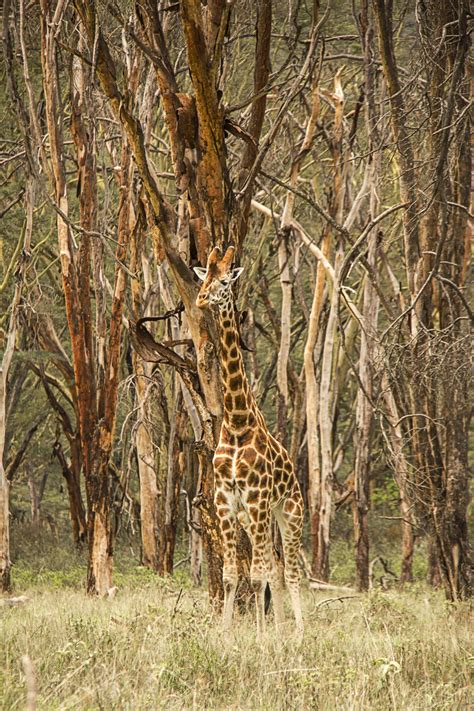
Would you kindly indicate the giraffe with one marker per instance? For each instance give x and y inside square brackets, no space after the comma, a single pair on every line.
[254,477]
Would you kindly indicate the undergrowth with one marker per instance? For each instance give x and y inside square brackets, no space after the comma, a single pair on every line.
[157,646]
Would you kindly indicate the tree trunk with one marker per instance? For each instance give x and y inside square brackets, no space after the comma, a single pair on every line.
[434,574]
[149,494]
[5,563]
[99,575]
[285,330]
[71,474]
[364,425]
[312,408]
[176,466]
[408,540]
[325,428]
[433,234]
[34,503]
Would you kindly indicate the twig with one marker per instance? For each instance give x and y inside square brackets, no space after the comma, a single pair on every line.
[176,604]
[181,562]
[327,600]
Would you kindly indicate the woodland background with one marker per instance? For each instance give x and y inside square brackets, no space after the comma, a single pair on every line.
[331,144]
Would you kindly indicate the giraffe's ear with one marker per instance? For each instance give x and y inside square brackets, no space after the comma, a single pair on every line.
[235,273]
[201,273]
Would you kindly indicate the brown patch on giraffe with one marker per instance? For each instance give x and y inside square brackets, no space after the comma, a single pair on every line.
[239,402]
[250,456]
[220,498]
[233,353]
[222,465]
[235,382]
[238,421]
[278,475]
[244,439]
[260,440]
[242,472]
[233,366]
[222,459]
[225,525]
[226,438]
[289,506]
[265,481]
[253,496]
[253,479]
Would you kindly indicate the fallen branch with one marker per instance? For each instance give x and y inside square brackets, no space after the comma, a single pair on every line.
[333,599]
[321,585]
[15,600]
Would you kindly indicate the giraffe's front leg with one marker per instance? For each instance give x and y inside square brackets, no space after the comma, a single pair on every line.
[226,513]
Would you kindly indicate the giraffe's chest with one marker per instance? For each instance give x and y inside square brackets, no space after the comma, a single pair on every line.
[229,464]
[243,461]
[253,460]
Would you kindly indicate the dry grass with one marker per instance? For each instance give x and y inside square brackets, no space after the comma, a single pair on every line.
[156,646]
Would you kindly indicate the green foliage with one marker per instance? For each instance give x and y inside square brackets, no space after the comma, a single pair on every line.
[386,495]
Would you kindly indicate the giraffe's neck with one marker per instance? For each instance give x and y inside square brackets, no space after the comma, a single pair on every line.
[240,408]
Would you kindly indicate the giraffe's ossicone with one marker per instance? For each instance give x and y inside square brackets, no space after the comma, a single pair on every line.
[254,477]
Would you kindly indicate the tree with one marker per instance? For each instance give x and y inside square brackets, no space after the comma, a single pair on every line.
[434,230]
[10,340]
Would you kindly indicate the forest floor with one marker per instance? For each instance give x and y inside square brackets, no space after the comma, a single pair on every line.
[157,646]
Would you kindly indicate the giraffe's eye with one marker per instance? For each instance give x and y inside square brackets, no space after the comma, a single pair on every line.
[224,282]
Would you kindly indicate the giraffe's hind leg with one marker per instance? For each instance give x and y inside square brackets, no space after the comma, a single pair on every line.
[275,580]
[290,521]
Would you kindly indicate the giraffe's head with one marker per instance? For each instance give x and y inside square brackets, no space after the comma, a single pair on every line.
[217,278]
